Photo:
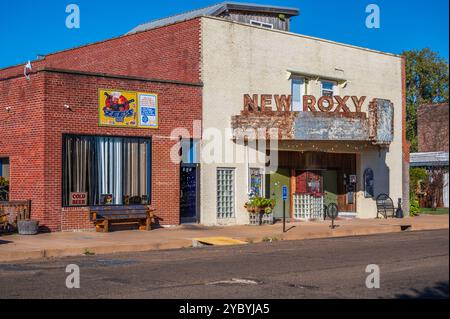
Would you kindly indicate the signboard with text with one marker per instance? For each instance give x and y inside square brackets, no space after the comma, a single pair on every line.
[78,199]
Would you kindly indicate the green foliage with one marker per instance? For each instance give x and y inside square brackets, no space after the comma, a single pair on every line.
[257,204]
[414,208]
[427,77]
[417,176]
[3,181]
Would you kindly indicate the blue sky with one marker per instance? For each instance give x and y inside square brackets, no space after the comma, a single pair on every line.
[29,28]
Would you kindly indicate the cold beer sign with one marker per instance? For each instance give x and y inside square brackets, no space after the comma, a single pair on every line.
[267,103]
[78,199]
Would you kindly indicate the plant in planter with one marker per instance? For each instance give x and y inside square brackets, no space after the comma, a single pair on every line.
[4,188]
[4,182]
[260,210]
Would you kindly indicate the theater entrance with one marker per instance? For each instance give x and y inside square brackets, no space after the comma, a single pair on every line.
[314,180]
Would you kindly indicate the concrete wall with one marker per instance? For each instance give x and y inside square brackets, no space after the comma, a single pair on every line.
[240,59]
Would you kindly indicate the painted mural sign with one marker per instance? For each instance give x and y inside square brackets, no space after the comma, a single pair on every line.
[128,109]
[266,103]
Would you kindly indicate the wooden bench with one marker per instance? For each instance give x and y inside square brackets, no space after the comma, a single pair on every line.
[385,206]
[104,217]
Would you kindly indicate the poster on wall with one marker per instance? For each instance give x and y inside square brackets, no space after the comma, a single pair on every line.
[148,110]
[128,109]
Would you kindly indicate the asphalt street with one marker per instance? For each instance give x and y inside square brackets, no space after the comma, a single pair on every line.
[412,265]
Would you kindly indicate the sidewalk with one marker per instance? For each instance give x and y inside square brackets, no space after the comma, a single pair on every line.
[15,247]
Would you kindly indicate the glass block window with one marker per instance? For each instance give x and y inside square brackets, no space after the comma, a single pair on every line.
[225,193]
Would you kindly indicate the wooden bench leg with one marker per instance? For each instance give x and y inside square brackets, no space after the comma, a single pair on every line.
[106,226]
[148,224]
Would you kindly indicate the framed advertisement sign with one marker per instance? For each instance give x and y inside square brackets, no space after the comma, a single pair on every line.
[78,199]
[148,110]
[129,109]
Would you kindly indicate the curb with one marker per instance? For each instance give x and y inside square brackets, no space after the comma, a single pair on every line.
[187,243]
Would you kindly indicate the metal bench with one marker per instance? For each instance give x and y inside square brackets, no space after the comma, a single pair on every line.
[385,206]
[104,217]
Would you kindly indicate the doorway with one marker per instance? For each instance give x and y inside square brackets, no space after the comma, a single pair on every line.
[277,180]
[330,187]
[189,189]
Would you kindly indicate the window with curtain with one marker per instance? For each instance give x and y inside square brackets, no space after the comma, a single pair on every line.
[107,170]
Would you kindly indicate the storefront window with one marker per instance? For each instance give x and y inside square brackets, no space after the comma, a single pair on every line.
[225,193]
[4,168]
[106,171]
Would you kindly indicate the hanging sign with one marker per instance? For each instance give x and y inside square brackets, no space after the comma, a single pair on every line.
[128,109]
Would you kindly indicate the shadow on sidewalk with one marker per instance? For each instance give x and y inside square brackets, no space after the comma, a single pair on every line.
[438,291]
[4,242]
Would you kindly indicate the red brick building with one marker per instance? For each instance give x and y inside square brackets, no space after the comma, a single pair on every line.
[60,100]
[432,128]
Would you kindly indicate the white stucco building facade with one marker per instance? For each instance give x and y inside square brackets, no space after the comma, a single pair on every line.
[240,60]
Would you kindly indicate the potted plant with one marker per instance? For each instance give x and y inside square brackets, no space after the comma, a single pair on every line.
[260,210]
[4,188]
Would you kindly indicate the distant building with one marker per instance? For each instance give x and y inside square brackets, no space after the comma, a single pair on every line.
[432,128]
[432,135]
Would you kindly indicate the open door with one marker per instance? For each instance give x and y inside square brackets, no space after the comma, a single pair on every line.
[330,187]
[280,178]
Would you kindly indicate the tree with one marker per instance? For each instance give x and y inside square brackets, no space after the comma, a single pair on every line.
[434,186]
[426,82]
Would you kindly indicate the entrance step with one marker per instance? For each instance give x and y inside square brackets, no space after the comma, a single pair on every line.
[348,215]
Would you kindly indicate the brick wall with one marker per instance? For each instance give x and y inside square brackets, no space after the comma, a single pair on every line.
[32,138]
[170,52]
[432,128]
[21,138]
